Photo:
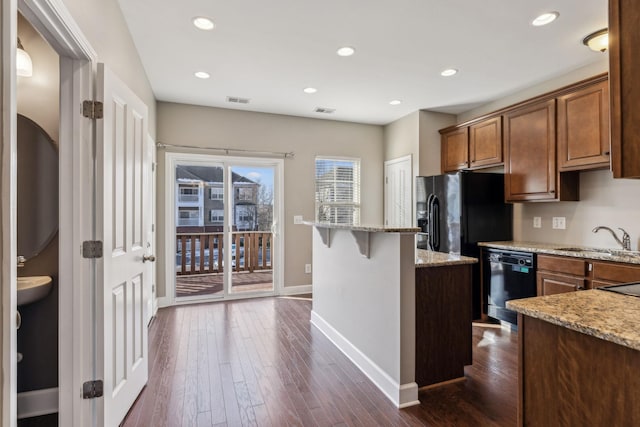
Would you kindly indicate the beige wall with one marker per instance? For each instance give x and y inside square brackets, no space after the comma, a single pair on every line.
[603,200]
[181,124]
[402,137]
[103,24]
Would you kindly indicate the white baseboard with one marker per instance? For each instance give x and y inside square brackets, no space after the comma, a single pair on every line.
[164,302]
[37,402]
[296,290]
[401,395]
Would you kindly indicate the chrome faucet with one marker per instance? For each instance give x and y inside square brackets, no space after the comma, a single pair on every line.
[626,239]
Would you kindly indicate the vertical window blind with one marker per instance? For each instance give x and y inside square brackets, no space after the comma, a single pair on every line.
[338,190]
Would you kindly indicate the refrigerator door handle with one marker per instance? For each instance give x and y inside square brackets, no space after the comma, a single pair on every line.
[430,221]
[436,223]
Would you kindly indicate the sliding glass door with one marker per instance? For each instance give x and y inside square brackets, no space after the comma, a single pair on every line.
[225,225]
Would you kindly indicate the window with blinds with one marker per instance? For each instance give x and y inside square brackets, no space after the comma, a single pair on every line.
[338,190]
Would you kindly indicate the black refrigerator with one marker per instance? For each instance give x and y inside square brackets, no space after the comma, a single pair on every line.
[456,211]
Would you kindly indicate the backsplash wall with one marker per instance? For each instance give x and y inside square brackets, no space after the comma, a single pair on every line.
[603,201]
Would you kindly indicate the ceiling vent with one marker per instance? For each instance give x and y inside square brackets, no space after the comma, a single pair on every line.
[238,100]
[325,110]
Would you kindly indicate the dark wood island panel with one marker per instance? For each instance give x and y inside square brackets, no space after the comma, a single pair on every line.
[443,323]
[572,379]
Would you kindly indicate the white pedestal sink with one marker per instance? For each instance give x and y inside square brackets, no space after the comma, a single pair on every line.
[33,288]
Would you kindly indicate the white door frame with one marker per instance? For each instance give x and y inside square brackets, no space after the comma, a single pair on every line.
[172,159]
[77,62]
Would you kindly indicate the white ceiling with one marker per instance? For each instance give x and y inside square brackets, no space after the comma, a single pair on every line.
[269,50]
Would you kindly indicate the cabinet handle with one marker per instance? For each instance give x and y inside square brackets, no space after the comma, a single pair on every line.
[606,153]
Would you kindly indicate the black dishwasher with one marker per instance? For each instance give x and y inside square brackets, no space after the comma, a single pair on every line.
[507,275]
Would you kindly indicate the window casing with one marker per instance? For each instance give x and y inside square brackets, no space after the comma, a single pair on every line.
[337,190]
[216,215]
[216,193]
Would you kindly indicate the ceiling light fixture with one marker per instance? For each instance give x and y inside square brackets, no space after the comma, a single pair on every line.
[202,74]
[395,102]
[598,41]
[24,66]
[545,18]
[203,23]
[309,90]
[346,51]
[449,72]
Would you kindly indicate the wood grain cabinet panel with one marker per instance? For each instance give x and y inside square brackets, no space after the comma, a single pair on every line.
[455,149]
[557,275]
[485,143]
[567,378]
[616,272]
[583,128]
[551,284]
[624,63]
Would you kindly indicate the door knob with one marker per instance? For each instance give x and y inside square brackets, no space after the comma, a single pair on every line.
[149,258]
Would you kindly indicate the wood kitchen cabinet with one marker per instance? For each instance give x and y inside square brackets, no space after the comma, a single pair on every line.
[624,63]
[559,274]
[455,149]
[530,156]
[572,379]
[476,146]
[485,143]
[583,127]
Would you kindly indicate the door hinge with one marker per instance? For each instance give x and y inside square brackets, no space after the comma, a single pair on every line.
[92,109]
[92,389]
[92,249]
[153,167]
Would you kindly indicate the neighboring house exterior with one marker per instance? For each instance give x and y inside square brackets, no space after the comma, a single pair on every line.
[200,204]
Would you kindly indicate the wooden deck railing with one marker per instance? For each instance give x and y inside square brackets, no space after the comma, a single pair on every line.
[204,253]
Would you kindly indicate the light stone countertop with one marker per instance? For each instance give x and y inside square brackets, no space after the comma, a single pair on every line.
[614,255]
[426,258]
[602,314]
[363,227]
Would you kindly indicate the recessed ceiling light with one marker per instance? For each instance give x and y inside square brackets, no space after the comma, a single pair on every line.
[449,72]
[395,102]
[346,51]
[202,74]
[545,18]
[203,23]
[310,90]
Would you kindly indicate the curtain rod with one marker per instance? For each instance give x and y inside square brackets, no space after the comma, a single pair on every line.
[227,151]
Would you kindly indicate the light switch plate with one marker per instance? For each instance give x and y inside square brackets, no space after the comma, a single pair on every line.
[559,223]
[297,219]
[307,268]
[537,222]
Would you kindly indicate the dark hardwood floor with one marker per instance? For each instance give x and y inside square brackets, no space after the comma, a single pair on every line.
[260,362]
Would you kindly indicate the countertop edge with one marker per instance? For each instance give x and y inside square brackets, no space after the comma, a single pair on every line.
[555,249]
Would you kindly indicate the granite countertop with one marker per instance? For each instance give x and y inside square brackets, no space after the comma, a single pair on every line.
[602,314]
[363,227]
[426,258]
[576,251]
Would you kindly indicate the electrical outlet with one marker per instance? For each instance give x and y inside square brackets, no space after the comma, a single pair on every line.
[559,223]
[297,219]
[307,268]
[537,222]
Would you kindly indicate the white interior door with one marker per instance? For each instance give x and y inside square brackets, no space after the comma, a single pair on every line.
[122,217]
[398,190]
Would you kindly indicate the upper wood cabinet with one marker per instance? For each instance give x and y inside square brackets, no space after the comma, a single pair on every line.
[485,143]
[476,146]
[530,156]
[624,63]
[583,128]
[455,149]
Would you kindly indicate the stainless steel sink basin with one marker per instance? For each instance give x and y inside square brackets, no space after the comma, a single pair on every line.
[33,288]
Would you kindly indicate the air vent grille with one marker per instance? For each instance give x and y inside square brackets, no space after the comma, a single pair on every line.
[324,110]
[238,100]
